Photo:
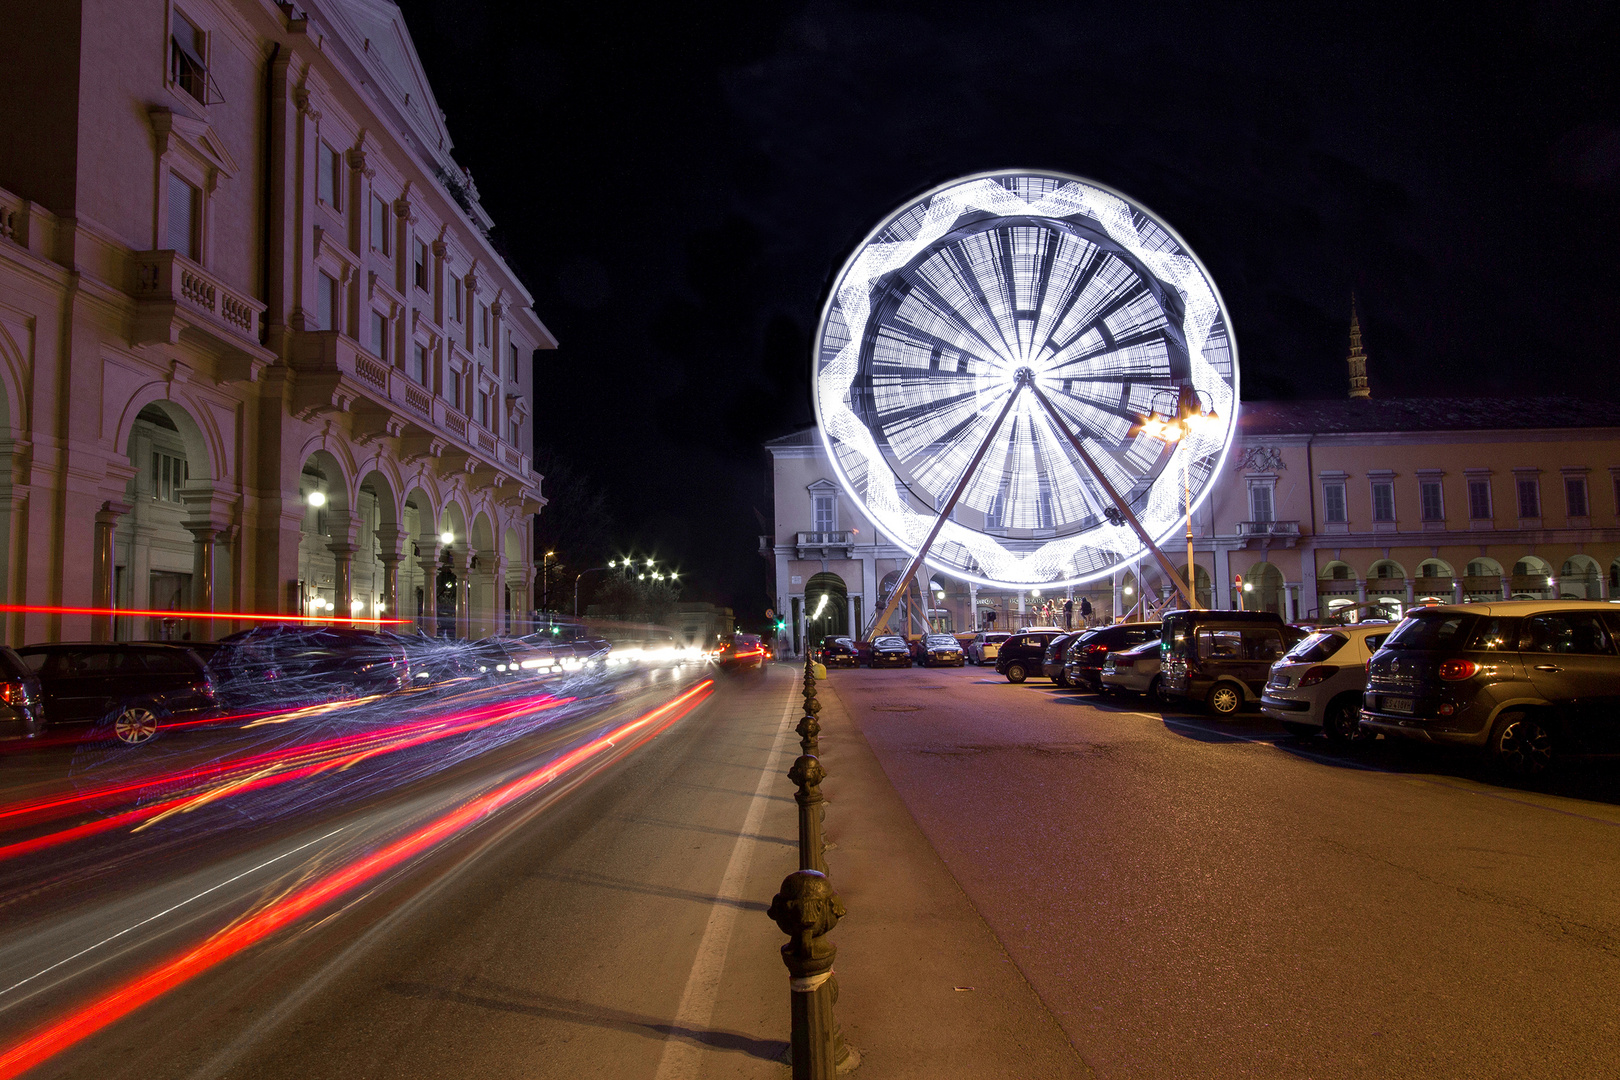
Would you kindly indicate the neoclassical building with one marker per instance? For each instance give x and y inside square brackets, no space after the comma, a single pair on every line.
[257,352]
[1320,505]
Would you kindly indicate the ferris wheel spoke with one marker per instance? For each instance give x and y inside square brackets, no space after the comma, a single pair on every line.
[946,314]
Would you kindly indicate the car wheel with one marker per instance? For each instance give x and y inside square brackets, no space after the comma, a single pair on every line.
[1224,699]
[1341,723]
[1521,744]
[135,724]
[1061,679]
[1153,695]
[1300,731]
[1016,673]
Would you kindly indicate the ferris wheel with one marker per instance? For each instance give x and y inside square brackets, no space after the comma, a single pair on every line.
[1025,379]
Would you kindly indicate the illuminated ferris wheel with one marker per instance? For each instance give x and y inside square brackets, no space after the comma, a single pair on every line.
[990,369]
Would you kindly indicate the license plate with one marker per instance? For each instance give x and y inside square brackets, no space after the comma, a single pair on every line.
[1398,704]
[1277,682]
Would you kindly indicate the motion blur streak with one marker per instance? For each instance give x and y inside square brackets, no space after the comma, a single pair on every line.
[53,1039]
[275,767]
[34,609]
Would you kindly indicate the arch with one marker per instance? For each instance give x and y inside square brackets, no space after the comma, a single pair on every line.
[334,456]
[1336,571]
[1385,570]
[204,443]
[1263,589]
[1482,579]
[419,518]
[826,606]
[482,534]
[1580,578]
[1532,578]
[1432,569]
[1201,586]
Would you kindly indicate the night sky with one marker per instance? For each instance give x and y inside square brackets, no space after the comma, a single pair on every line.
[678,188]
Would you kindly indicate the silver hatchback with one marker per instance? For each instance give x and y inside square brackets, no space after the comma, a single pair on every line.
[1317,686]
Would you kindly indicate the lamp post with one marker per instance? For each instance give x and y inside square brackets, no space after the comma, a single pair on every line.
[545,581]
[610,566]
[1189,416]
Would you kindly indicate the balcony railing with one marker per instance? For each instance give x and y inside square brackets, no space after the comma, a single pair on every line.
[1288,529]
[335,374]
[174,293]
[824,541]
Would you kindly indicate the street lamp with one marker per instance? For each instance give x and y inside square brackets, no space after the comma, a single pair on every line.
[592,570]
[1190,417]
[545,581]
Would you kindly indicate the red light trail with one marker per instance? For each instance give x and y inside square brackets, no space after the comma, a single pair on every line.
[246,616]
[113,1006]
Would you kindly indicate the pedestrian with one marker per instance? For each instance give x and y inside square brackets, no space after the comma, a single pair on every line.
[1068,614]
[1085,611]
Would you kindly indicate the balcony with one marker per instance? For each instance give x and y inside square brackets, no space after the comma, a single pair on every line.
[175,296]
[825,545]
[336,375]
[1269,531]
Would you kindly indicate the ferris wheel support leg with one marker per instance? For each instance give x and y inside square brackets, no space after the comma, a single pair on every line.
[881,623]
[1141,534]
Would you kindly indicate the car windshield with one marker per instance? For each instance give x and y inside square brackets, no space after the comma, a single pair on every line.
[991,639]
[1433,630]
[1139,650]
[940,641]
[1316,648]
[889,643]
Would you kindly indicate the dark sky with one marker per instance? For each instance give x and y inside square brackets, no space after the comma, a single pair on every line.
[677,184]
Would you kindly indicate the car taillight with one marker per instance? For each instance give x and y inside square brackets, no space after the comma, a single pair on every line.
[1122,661]
[13,693]
[1096,648]
[1457,670]
[1317,674]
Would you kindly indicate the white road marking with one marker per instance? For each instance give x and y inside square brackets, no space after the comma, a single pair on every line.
[167,911]
[682,1058]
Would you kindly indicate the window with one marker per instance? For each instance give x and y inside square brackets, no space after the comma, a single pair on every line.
[379,224]
[1575,495]
[188,64]
[419,364]
[185,218]
[1479,500]
[824,510]
[516,427]
[483,325]
[169,475]
[1529,497]
[1260,503]
[379,334]
[421,265]
[455,390]
[1430,503]
[512,359]
[329,179]
[1574,633]
[457,292]
[1333,504]
[483,408]
[1383,500]
[326,302]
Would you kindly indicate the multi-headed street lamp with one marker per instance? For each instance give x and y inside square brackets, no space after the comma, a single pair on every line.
[1189,417]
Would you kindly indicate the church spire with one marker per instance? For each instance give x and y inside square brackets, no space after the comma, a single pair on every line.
[1357,359]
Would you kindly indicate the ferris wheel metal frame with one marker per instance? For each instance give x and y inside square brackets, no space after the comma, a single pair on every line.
[1078,212]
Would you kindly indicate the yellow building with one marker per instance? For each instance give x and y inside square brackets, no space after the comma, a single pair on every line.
[257,352]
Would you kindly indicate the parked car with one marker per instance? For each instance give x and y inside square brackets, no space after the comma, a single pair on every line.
[890,651]
[1522,680]
[1222,658]
[286,665]
[126,691]
[1021,654]
[1055,654]
[22,705]
[741,653]
[982,649]
[1316,688]
[838,652]
[942,650]
[1134,670]
[1093,647]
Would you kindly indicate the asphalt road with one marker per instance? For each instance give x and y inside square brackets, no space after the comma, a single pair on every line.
[1194,898]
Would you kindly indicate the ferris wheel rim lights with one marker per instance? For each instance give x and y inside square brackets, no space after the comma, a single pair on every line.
[1138,240]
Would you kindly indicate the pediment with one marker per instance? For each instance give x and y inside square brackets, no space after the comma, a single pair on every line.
[821,487]
[378,35]
[176,130]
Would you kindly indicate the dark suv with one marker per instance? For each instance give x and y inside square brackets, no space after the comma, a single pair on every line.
[130,688]
[1222,658]
[1521,679]
[1091,650]
[282,665]
[1021,655]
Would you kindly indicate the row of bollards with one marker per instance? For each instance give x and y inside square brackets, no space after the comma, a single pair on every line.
[807,909]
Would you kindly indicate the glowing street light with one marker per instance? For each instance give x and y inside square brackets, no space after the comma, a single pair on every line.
[316,498]
[1189,418]
[447,538]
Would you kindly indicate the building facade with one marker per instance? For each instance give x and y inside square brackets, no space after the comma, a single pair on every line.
[1322,505]
[257,353]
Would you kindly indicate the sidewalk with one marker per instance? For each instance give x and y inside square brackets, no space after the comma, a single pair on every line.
[926,990]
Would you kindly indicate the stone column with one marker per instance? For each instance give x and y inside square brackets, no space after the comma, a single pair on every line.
[1507,588]
[1361,590]
[1456,590]
[853,629]
[427,618]
[462,561]
[1411,593]
[102,573]
[342,577]
[389,537]
[202,575]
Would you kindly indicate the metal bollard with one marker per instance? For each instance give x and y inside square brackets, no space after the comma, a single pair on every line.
[806,909]
[808,774]
[809,730]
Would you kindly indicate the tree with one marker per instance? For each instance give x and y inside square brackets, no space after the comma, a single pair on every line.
[575,526]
